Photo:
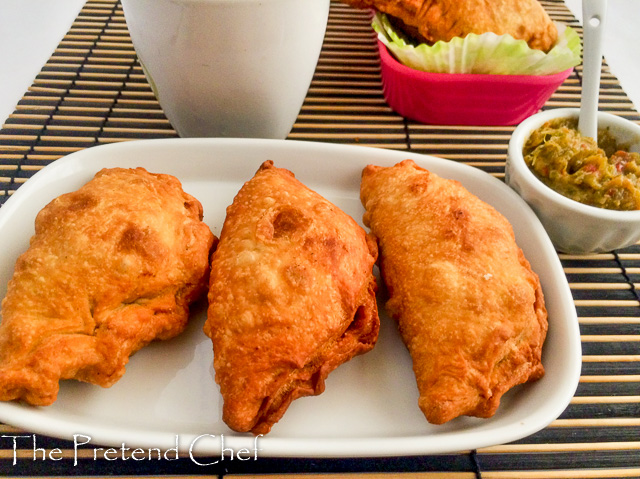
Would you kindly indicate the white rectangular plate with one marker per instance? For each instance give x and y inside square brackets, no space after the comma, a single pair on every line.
[370,406]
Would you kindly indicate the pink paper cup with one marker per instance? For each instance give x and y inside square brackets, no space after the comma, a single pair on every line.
[464,99]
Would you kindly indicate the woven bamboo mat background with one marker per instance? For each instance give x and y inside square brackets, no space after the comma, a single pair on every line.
[92,91]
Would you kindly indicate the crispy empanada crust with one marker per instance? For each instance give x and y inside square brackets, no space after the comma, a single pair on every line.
[111,267]
[292,296]
[443,20]
[469,308]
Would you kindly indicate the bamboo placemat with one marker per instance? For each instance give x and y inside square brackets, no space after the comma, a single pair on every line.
[92,91]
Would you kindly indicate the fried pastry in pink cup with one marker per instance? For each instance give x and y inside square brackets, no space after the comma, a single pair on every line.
[479,79]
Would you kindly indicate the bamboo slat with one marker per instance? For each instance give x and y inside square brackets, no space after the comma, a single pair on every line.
[565,474]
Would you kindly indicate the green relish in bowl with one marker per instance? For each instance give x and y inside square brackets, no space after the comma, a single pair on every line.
[602,174]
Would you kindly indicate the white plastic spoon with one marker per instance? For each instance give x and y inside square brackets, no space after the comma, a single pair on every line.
[593,17]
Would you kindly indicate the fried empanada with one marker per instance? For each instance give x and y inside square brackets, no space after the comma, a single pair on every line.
[111,267]
[468,306]
[292,296]
[434,20]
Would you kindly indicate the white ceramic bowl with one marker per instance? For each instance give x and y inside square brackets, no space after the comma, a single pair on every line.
[229,68]
[572,226]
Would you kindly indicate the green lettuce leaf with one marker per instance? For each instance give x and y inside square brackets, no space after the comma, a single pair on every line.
[481,54]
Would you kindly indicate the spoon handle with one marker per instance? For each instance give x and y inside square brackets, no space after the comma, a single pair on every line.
[593,17]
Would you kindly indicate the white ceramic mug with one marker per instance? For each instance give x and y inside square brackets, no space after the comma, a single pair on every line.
[229,68]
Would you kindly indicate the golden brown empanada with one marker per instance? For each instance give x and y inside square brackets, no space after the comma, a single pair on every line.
[292,296]
[436,20]
[111,267]
[468,306]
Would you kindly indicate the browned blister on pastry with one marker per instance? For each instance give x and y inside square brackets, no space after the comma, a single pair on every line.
[434,20]
[292,296]
[111,267]
[468,306]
